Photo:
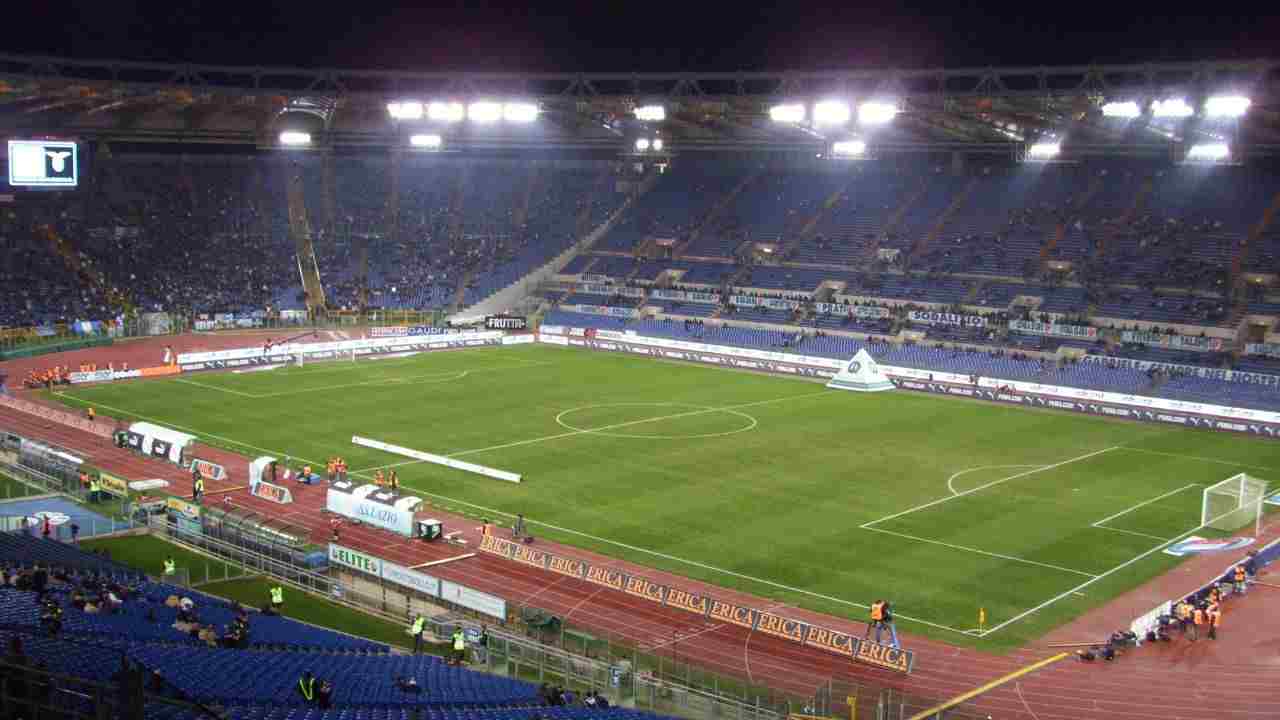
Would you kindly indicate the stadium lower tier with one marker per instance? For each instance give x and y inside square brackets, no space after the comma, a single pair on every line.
[258,681]
[1111,375]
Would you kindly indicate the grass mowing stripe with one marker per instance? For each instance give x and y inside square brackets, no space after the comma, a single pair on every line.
[630,423]
[214,387]
[993,483]
[1230,463]
[1135,533]
[783,502]
[1086,584]
[981,552]
[1144,503]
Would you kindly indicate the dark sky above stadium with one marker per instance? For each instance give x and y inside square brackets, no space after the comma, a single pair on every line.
[609,35]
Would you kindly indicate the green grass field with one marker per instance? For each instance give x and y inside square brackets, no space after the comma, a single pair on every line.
[776,486]
[148,553]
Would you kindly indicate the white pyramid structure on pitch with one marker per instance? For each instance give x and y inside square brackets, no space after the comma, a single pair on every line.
[861,374]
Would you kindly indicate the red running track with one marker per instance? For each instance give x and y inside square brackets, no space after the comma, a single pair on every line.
[1234,678]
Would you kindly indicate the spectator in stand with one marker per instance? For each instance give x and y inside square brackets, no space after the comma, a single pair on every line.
[307,687]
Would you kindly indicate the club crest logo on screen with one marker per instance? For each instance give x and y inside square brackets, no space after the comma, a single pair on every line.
[854,366]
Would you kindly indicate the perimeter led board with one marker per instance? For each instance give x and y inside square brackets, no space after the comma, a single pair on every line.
[43,163]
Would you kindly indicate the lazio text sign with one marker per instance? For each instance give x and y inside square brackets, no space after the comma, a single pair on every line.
[797,631]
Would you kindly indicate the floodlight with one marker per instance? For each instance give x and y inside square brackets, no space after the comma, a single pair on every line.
[849,147]
[1209,151]
[425,141]
[642,144]
[1229,106]
[405,110]
[290,137]
[657,144]
[1172,108]
[1044,150]
[484,112]
[1128,109]
[831,112]
[520,112]
[446,111]
[651,113]
[876,113]
[787,113]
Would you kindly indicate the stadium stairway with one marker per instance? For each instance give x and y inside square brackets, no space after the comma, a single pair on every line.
[941,223]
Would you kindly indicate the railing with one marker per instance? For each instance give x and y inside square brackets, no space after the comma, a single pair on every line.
[33,693]
[29,482]
[624,677]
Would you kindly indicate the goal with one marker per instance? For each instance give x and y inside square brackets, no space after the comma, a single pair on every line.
[1234,503]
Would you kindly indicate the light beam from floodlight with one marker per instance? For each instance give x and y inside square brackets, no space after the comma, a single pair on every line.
[520,112]
[1171,108]
[1128,109]
[408,110]
[657,144]
[1209,151]
[426,141]
[831,112]
[791,113]
[446,111]
[1228,106]
[849,148]
[876,113]
[1044,150]
[484,112]
[651,113]
[642,144]
[292,137]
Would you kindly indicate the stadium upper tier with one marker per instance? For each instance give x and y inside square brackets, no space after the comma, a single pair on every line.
[1113,240]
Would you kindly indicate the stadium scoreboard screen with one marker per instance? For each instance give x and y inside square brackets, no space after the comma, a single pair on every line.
[44,164]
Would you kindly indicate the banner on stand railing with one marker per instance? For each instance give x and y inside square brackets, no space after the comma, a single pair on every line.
[871,312]
[1085,332]
[932,317]
[1173,342]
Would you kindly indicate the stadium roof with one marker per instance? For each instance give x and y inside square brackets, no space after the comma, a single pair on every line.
[997,109]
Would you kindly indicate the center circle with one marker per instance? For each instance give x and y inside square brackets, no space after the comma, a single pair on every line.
[674,411]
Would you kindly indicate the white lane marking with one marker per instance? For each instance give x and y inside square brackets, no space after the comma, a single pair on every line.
[993,483]
[966,471]
[977,551]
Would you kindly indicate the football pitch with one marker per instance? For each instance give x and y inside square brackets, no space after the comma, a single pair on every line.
[776,486]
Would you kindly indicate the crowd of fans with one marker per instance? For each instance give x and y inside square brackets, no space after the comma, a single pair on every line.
[214,235]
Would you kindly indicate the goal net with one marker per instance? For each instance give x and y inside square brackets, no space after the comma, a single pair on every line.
[1234,503]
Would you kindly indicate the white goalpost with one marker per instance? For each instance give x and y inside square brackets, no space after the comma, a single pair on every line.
[1234,503]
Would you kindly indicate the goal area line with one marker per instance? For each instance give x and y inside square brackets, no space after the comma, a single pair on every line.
[1163,544]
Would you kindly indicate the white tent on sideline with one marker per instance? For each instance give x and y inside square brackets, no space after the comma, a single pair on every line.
[861,374]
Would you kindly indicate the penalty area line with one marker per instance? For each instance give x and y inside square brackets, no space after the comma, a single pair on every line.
[1144,503]
[977,551]
[993,483]
[951,480]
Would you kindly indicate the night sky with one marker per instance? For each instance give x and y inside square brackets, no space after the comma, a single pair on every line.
[636,36]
